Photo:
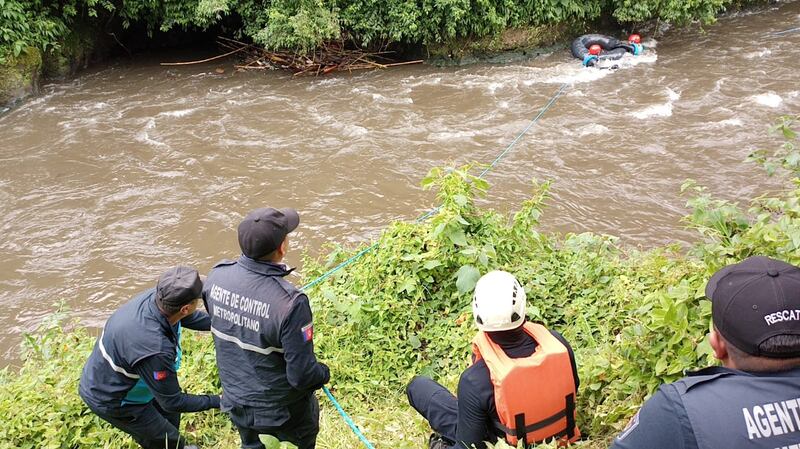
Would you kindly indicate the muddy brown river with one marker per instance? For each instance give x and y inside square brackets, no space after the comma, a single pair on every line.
[108,179]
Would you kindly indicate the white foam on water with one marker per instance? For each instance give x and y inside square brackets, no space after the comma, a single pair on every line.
[98,105]
[167,174]
[380,98]
[494,86]
[414,81]
[571,73]
[574,72]
[758,54]
[503,105]
[452,135]
[144,137]
[592,129]
[178,113]
[353,130]
[388,100]
[322,82]
[672,95]
[653,149]
[242,143]
[731,122]
[793,94]
[769,99]
[659,110]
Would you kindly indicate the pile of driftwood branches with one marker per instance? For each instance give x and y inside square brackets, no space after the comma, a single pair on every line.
[330,57]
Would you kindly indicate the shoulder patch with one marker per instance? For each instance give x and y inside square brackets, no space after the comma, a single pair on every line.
[308,332]
[160,375]
[632,424]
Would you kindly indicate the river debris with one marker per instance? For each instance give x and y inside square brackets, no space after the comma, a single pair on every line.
[329,58]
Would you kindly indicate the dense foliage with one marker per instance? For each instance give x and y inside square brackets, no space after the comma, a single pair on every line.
[635,319]
[42,24]
[304,24]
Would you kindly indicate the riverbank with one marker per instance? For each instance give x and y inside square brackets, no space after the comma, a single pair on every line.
[450,34]
[128,150]
[635,319]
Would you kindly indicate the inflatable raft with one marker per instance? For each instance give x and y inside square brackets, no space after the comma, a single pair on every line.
[592,48]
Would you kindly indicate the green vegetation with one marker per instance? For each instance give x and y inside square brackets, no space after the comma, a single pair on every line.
[18,74]
[304,24]
[635,319]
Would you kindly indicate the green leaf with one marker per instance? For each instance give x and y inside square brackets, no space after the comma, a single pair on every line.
[431,264]
[458,237]
[466,278]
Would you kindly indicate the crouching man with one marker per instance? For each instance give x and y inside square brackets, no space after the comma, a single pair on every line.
[136,358]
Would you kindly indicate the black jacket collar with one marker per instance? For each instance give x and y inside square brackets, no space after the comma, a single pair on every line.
[262,267]
[158,316]
[721,370]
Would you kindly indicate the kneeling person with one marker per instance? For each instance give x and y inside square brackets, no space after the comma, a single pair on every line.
[521,385]
[136,358]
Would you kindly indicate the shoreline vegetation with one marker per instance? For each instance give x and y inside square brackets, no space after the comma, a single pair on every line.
[635,318]
[48,39]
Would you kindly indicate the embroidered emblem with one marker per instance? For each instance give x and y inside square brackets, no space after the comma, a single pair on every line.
[308,332]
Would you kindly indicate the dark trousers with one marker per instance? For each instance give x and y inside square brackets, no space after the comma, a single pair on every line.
[301,427]
[436,404]
[149,424]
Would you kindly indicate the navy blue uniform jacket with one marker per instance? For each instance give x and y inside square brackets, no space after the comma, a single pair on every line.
[138,343]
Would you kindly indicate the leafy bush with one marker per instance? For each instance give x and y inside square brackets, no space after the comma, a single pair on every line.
[40,24]
[305,24]
[635,319]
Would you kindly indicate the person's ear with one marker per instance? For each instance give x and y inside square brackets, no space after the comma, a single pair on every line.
[186,310]
[718,344]
[284,246]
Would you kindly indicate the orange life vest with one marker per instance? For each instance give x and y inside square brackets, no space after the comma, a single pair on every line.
[535,395]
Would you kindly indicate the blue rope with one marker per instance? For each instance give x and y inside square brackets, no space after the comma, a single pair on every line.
[525,131]
[421,218]
[347,419]
[333,270]
[433,211]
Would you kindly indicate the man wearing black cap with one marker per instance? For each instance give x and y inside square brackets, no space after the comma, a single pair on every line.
[263,335]
[136,358]
[753,400]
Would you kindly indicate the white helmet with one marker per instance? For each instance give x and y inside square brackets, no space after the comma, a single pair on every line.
[499,302]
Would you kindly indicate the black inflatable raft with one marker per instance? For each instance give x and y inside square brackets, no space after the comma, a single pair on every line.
[613,48]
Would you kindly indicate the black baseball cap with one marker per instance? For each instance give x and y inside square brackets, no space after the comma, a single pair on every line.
[754,300]
[178,286]
[263,230]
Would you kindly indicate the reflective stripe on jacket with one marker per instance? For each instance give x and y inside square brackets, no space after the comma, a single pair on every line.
[253,309]
[136,331]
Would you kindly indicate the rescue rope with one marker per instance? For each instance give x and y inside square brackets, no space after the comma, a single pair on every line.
[431,212]
[421,218]
[347,419]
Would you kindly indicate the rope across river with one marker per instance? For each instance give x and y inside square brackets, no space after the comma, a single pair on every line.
[421,218]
